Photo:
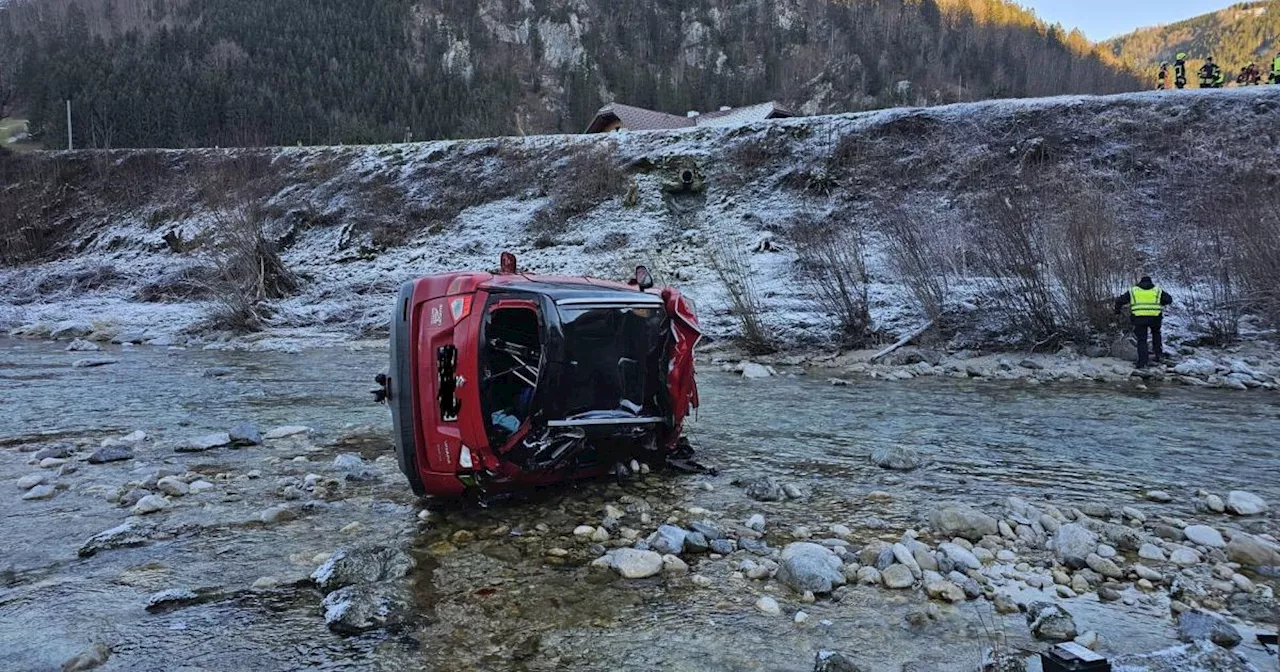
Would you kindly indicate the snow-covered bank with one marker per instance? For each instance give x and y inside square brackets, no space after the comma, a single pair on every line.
[354,222]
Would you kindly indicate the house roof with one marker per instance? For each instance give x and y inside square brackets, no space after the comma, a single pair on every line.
[639,119]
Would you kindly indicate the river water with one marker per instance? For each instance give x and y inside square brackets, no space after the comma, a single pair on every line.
[495,602]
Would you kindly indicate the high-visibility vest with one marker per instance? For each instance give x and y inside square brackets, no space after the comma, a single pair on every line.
[1145,302]
[1275,66]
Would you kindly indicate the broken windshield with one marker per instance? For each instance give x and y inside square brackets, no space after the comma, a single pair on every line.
[612,359]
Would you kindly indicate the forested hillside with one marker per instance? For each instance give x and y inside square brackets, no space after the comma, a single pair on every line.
[1234,36]
[176,73]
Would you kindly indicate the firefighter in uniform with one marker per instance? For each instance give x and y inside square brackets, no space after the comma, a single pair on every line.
[1274,78]
[1180,71]
[1146,304]
[1210,75]
[1162,79]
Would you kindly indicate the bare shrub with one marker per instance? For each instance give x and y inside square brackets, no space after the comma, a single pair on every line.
[1085,250]
[185,283]
[735,275]
[1251,217]
[833,263]
[916,256]
[752,155]
[250,272]
[1009,252]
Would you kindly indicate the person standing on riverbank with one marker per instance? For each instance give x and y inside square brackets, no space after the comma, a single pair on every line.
[1146,304]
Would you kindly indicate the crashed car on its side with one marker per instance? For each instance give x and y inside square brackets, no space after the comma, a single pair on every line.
[505,380]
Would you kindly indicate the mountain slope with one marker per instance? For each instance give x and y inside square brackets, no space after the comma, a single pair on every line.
[1234,36]
[180,73]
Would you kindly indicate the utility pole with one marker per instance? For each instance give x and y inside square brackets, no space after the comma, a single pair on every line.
[69,143]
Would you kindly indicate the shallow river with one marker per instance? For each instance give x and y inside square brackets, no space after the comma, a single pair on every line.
[493,602]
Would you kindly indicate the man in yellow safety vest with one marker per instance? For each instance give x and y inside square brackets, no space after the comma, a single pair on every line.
[1146,304]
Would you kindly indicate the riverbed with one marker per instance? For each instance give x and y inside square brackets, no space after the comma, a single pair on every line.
[490,598]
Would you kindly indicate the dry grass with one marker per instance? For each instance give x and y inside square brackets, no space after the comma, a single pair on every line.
[916,254]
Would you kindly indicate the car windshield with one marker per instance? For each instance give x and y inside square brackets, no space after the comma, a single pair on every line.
[612,358]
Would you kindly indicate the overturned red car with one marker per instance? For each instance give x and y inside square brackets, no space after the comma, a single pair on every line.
[505,380]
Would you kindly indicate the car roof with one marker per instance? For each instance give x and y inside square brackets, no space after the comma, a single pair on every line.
[561,287]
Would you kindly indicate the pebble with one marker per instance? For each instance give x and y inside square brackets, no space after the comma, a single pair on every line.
[112,453]
[286,431]
[349,528]
[1184,557]
[1215,504]
[768,606]
[897,577]
[1088,640]
[800,617]
[1205,536]
[840,531]
[32,480]
[1159,496]
[584,531]
[869,576]
[1106,551]
[701,581]
[1133,514]
[1005,555]
[674,566]
[51,462]
[175,487]
[756,522]
[1244,503]
[600,535]
[1149,551]
[40,492]
[277,514]
[265,582]
[151,504]
[197,487]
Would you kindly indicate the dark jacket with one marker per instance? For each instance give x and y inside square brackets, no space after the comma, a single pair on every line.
[1123,300]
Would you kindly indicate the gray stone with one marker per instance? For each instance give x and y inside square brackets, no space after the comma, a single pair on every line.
[61,451]
[960,555]
[674,566]
[1202,656]
[1214,504]
[112,453]
[961,521]
[1184,557]
[1150,551]
[695,542]
[869,576]
[172,486]
[366,606]
[768,606]
[723,546]
[945,590]
[668,539]
[793,491]
[125,535]
[40,492]
[93,657]
[834,661]
[1168,532]
[631,563]
[810,567]
[203,443]
[1205,536]
[1104,566]
[1196,625]
[707,529]
[766,489]
[752,371]
[1050,622]
[285,432]
[756,522]
[1255,607]
[92,362]
[970,586]
[150,504]
[1252,551]
[349,462]
[32,480]
[1159,496]
[898,458]
[757,546]
[1073,544]
[81,345]
[897,576]
[171,598]
[904,556]
[1243,503]
[245,434]
[131,337]
[362,564]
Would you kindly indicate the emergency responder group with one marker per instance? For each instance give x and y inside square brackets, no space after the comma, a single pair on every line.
[1212,76]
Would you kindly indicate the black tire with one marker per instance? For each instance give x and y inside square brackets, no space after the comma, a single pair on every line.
[400,390]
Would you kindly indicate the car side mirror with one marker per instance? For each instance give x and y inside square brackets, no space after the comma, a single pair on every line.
[644,279]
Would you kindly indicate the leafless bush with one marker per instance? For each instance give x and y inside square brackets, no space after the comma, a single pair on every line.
[917,258]
[1085,248]
[1251,217]
[833,263]
[735,275]
[185,283]
[250,272]
[1053,262]
[1009,252]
